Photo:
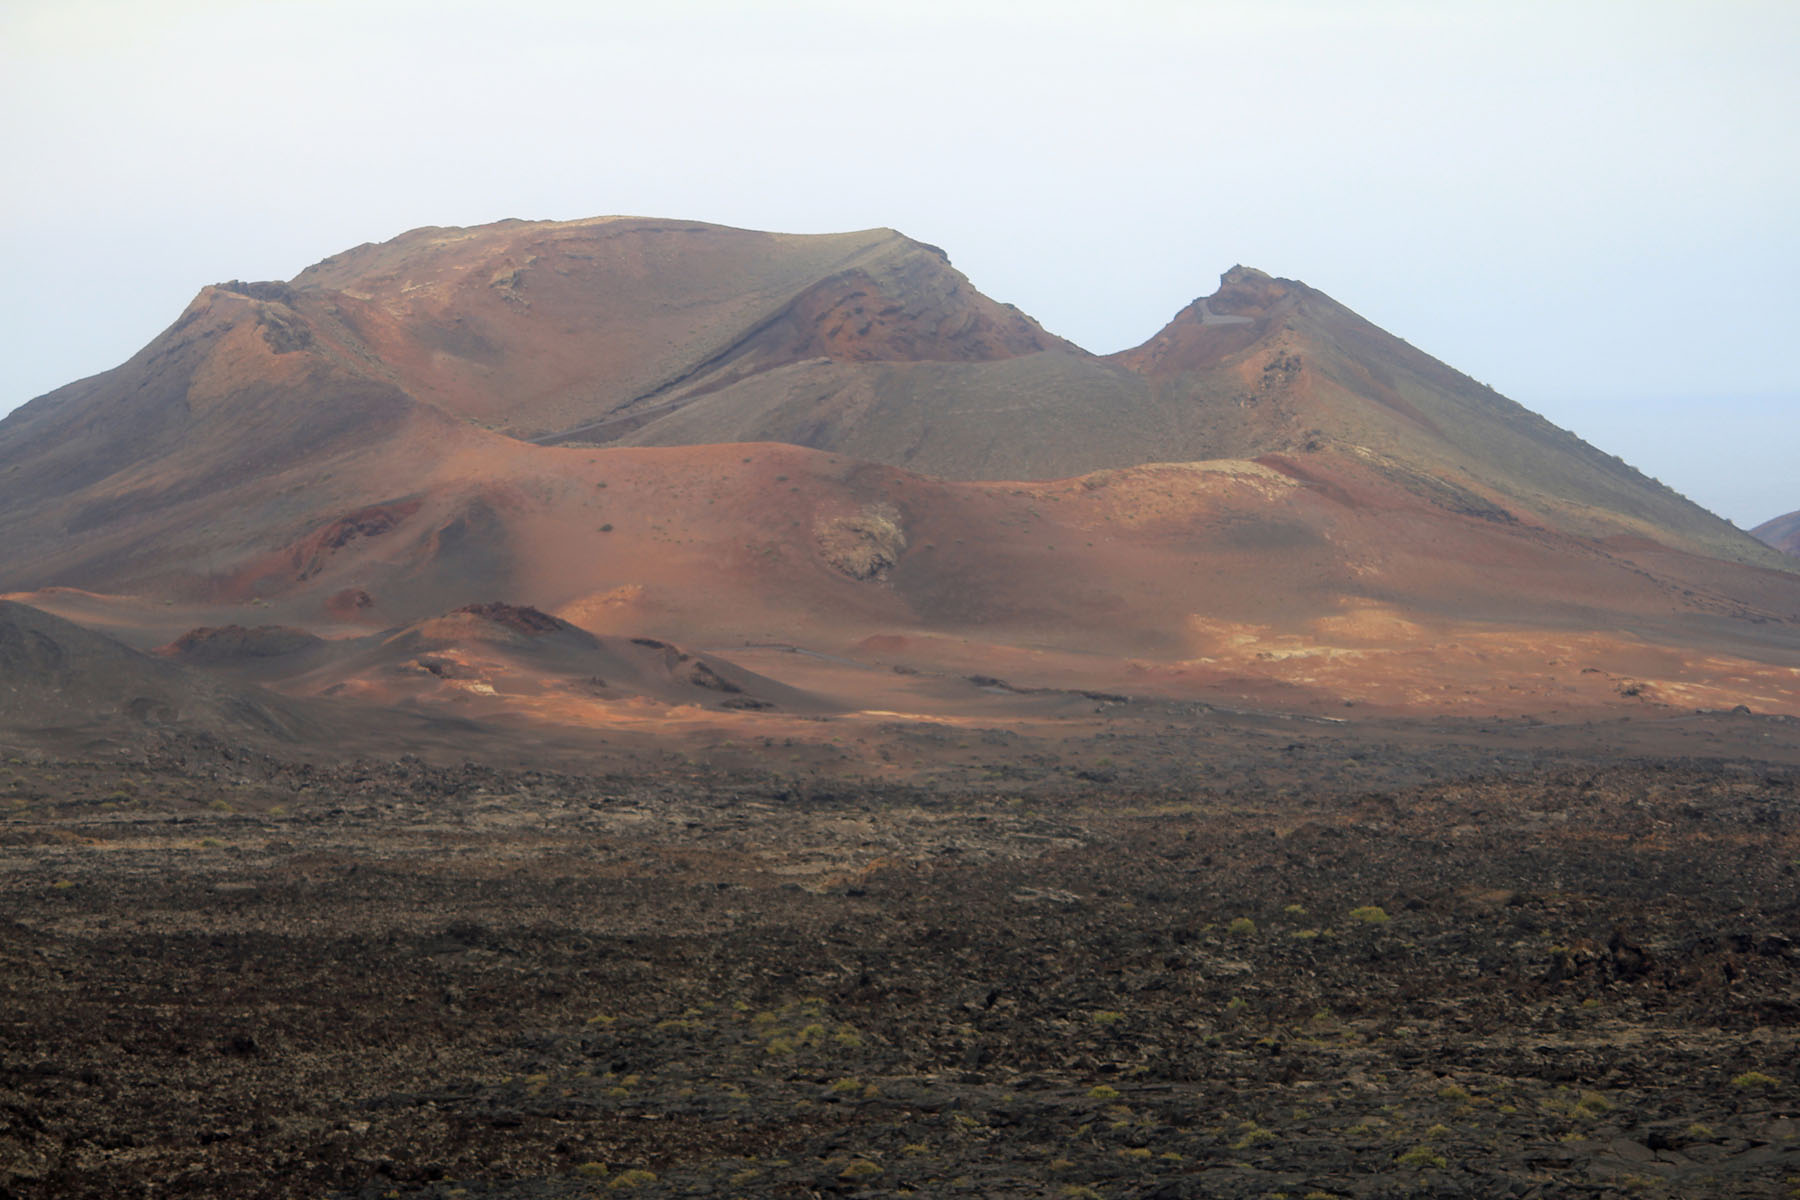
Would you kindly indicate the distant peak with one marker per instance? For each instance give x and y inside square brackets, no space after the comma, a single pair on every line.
[1240,272]
[1213,327]
[1248,291]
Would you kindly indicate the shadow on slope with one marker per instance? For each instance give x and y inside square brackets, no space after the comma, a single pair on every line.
[506,654]
[62,684]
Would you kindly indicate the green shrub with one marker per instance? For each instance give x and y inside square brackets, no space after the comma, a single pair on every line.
[1370,914]
[1250,1133]
[1754,1081]
[635,1177]
[1591,1104]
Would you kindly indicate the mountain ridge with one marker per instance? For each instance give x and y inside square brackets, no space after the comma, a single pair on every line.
[713,436]
[864,343]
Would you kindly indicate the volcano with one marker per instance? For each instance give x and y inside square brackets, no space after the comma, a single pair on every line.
[1782,532]
[830,460]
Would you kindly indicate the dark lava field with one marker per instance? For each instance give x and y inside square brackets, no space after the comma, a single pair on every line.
[222,975]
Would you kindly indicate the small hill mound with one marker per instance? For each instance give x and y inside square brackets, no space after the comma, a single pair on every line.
[521,654]
[496,622]
[62,681]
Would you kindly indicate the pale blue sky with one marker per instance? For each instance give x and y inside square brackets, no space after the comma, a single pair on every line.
[1588,205]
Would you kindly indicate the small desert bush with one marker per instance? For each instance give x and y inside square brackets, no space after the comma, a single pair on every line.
[1591,1104]
[635,1177]
[1753,1081]
[1422,1156]
[1250,1133]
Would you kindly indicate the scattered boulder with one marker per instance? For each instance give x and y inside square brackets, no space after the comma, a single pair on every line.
[864,545]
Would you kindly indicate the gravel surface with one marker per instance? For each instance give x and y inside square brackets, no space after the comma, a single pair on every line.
[226,977]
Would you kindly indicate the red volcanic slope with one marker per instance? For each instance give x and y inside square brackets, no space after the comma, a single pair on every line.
[581,328]
[585,417]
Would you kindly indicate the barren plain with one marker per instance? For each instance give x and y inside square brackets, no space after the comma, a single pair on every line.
[1379,958]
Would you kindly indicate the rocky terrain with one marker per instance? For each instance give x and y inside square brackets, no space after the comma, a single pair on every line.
[1381,962]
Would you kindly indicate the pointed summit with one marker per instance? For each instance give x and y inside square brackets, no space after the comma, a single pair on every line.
[1206,332]
[1247,291]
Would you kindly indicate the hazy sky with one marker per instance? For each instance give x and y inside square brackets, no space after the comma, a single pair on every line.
[1590,206]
